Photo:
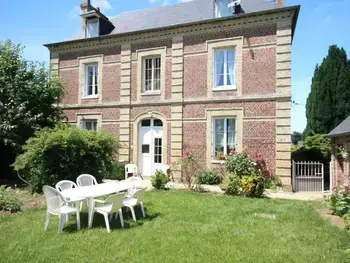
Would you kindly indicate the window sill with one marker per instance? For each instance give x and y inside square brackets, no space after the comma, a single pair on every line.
[217,161]
[89,97]
[225,89]
[150,93]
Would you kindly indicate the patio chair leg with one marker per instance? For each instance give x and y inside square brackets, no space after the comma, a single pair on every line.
[60,227]
[142,209]
[116,215]
[121,217]
[107,223]
[81,206]
[78,219]
[48,217]
[133,213]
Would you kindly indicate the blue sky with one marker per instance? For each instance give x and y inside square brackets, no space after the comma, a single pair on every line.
[321,23]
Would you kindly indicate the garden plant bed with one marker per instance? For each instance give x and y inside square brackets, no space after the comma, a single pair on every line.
[183,227]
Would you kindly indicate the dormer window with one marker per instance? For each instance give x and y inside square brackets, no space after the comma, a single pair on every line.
[92,28]
[222,9]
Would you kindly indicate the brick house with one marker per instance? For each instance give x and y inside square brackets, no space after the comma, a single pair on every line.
[198,76]
[340,166]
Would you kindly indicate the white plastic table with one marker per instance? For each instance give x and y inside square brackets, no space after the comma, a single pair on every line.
[93,191]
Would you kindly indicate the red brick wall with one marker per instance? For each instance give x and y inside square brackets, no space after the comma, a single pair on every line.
[107,113]
[111,83]
[70,80]
[251,109]
[341,167]
[195,140]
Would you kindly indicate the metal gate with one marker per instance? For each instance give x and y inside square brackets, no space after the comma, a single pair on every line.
[308,176]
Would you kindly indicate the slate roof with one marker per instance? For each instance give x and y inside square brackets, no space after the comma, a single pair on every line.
[192,11]
[342,128]
[182,13]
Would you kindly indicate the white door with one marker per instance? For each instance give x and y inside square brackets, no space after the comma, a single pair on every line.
[151,146]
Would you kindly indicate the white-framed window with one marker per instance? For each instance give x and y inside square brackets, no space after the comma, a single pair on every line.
[151,74]
[224,68]
[222,9]
[224,137]
[91,80]
[90,125]
[92,28]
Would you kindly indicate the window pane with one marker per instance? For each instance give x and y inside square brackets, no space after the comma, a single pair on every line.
[220,80]
[230,55]
[219,125]
[157,123]
[145,148]
[219,56]
[146,123]
[88,125]
[95,125]
[220,68]
[92,28]
[230,73]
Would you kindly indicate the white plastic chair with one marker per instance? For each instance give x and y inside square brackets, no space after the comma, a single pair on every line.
[56,205]
[135,199]
[86,180]
[131,169]
[65,184]
[113,204]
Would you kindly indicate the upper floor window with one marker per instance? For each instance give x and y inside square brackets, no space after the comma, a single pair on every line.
[224,71]
[92,28]
[91,80]
[224,137]
[151,74]
[222,9]
[90,125]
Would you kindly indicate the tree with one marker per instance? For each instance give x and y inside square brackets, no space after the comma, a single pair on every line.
[328,103]
[28,100]
[296,137]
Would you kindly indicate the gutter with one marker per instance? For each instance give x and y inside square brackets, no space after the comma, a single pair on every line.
[295,8]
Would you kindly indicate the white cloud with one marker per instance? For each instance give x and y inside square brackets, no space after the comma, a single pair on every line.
[184,1]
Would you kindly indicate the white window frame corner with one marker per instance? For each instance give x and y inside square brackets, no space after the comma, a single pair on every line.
[89,116]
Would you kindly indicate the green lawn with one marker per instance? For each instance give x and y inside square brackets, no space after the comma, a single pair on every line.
[182,227]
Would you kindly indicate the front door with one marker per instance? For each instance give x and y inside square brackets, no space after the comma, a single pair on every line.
[151,146]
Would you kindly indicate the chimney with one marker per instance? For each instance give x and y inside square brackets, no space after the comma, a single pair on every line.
[85,8]
[281,2]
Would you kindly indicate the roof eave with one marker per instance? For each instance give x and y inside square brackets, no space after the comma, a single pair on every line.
[338,134]
[296,8]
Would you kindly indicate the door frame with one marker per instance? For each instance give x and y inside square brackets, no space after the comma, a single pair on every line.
[136,132]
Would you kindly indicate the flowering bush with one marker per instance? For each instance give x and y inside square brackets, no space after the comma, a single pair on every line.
[159,180]
[240,164]
[233,186]
[253,185]
[339,201]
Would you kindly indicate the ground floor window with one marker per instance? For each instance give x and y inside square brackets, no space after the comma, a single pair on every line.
[90,125]
[224,136]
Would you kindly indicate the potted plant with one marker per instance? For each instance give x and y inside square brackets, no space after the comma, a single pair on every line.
[342,151]
[220,155]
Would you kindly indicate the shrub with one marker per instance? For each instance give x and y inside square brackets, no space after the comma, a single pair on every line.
[63,153]
[117,171]
[189,167]
[339,201]
[208,177]
[233,186]
[159,180]
[253,185]
[240,164]
[8,201]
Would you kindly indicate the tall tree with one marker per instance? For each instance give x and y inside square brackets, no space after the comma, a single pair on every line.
[28,100]
[328,103]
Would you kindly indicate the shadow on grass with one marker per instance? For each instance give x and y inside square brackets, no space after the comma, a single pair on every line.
[99,221]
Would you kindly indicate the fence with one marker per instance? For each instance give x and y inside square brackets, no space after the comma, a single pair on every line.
[308,176]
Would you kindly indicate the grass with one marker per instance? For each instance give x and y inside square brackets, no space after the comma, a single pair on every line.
[182,227]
